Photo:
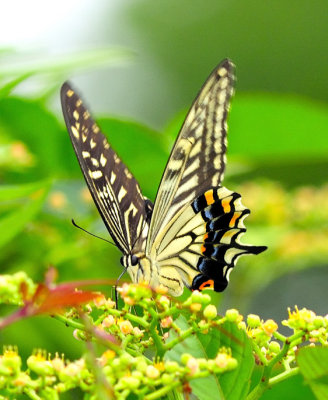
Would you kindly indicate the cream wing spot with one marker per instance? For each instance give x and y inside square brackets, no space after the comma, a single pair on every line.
[121,193]
[103,160]
[75,132]
[93,144]
[222,72]
[76,114]
[85,154]
[95,162]
[69,93]
[112,177]
[95,174]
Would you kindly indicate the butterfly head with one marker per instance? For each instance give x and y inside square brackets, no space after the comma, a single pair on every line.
[129,260]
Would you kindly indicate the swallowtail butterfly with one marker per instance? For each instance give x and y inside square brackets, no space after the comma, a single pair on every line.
[190,235]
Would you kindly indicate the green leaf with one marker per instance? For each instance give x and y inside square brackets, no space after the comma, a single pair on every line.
[204,388]
[13,222]
[81,60]
[313,364]
[13,192]
[31,123]
[277,126]
[6,89]
[235,384]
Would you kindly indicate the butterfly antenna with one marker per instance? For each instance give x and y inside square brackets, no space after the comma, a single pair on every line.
[98,237]
[116,284]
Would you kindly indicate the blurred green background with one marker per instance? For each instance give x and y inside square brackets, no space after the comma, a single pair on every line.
[139,65]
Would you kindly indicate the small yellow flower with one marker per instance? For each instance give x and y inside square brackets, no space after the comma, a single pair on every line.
[221,360]
[195,307]
[166,322]
[126,327]
[108,321]
[106,356]
[193,365]
[269,327]
[161,289]
[152,372]
[100,300]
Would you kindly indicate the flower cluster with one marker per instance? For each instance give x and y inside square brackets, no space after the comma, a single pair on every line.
[314,328]
[123,374]
[170,332]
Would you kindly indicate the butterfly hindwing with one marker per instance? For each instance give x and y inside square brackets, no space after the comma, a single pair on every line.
[115,191]
[202,242]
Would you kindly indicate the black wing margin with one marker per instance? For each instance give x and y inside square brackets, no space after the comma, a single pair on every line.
[115,191]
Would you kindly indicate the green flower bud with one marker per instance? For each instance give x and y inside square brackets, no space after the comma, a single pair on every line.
[126,359]
[206,298]
[171,366]
[210,311]
[274,347]
[253,321]
[196,297]
[167,379]
[319,322]
[130,382]
[10,362]
[40,365]
[141,364]
[137,374]
[184,358]
[232,315]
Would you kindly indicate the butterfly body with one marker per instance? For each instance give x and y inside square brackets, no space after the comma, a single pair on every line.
[190,236]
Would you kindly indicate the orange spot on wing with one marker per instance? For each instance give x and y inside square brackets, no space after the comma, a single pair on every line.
[205,236]
[207,285]
[203,249]
[209,197]
[226,205]
[233,219]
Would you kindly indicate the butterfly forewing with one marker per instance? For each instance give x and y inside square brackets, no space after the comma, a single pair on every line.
[113,188]
[197,160]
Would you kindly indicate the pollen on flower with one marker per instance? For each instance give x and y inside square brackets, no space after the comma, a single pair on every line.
[106,356]
[100,300]
[126,327]
[108,321]
[124,289]
[129,300]
[270,326]
[137,331]
[166,322]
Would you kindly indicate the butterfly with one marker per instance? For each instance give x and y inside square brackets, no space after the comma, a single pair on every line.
[190,236]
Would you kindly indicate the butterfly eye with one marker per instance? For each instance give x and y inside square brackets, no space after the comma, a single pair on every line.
[134,260]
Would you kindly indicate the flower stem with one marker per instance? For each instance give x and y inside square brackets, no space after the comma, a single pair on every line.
[284,375]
